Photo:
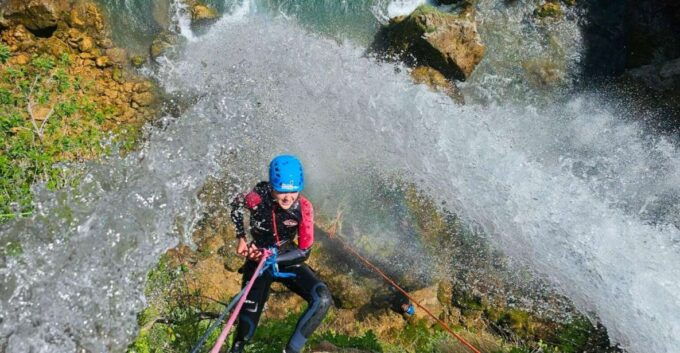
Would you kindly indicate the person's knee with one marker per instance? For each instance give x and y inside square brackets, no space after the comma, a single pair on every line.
[323,298]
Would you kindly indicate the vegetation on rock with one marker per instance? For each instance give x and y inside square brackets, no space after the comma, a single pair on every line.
[63,94]
[549,9]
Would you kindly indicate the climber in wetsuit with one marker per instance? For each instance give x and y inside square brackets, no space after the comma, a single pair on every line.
[277,214]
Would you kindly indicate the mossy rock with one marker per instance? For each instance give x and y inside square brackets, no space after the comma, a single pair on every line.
[437,82]
[550,9]
[446,42]
[201,13]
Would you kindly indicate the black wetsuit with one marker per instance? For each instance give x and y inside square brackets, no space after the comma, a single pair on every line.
[270,225]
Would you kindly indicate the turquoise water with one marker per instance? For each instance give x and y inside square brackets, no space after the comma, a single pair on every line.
[137,22]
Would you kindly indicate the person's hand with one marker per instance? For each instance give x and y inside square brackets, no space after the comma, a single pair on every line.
[242,247]
[254,253]
[249,251]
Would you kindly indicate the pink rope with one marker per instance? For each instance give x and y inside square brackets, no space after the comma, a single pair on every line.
[237,309]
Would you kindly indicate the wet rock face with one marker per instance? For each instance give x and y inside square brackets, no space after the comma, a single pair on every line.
[437,82]
[61,30]
[37,15]
[664,77]
[446,42]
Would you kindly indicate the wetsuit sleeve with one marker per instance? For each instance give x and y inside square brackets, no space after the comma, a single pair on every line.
[293,257]
[241,202]
[305,237]
[306,227]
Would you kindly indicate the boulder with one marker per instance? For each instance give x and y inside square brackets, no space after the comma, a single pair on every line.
[446,42]
[427,297]
[348,293]
[87,17]
[161,45]
[203,13]
[436,81]
[118,56]
[36,15]
[103,61]
[143,99]
[54,46]
[137,61]
[21,59]
[86,44]
[209,278]
[549,9]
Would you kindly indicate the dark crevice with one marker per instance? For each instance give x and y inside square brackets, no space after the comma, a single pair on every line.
[46,32]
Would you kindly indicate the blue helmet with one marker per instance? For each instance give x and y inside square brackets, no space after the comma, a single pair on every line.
[285,174]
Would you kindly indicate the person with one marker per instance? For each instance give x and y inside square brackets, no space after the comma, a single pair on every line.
[278,212]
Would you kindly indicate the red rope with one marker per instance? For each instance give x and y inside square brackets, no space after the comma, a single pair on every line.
[396,286]
[276,232]
[237,309]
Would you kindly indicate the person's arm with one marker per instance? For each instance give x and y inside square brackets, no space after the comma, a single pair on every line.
[241,202]
[305,237]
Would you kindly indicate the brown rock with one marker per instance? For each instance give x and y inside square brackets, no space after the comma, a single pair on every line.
[103,61]
[87,16]
[202,13]
[118,56]
[446,42]
[111,94]
[144,86]
[427,297]
[36,15]
[128,87]
[86,56]
[74,35]
[436,81]
[86,44]
[211,280]
[55,46]
[143,99]
[22,34]
[350,295]
[158,48]
[22,59]
[106,43]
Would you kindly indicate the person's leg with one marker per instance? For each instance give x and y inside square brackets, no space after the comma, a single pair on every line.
[250,313]
[308,286]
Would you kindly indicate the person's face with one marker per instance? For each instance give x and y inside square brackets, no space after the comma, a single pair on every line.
[285,199]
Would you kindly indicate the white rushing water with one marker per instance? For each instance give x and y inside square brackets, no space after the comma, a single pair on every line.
[586,199]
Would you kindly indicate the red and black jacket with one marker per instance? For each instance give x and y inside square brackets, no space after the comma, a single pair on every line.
[270,225]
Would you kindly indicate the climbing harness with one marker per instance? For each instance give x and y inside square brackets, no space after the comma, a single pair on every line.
[273,267]
[397,287]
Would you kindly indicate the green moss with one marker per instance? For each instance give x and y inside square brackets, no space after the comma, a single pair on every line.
[5,53]
[550,9]
[47,116]
[13,249]
[574,336]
